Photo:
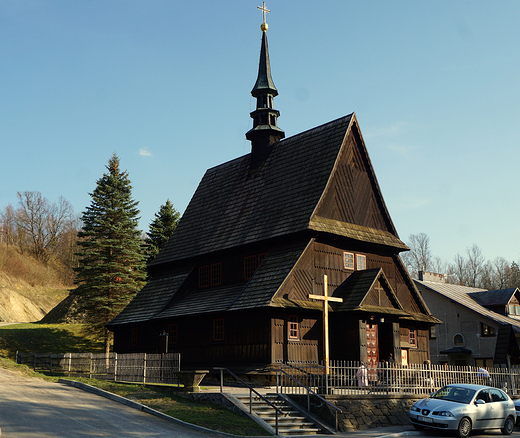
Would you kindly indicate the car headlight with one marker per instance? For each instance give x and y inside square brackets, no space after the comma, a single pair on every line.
[443,413]
[415,409]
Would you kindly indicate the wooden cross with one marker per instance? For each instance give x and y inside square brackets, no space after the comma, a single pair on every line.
[325,298]
[263,9]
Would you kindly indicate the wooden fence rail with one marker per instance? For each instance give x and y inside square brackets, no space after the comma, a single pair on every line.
[134,367]
[345,377]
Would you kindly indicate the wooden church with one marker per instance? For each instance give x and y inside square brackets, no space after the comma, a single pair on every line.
[234,284]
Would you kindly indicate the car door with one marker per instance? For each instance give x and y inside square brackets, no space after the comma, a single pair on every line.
[499,407]
[483,411]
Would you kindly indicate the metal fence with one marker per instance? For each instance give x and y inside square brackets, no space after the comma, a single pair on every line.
[346,377]
[134,367]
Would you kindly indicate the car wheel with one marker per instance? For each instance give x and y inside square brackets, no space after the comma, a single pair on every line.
[509,425]
[464,428]
[417,426]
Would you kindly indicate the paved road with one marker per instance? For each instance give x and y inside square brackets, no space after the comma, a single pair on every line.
[34,408]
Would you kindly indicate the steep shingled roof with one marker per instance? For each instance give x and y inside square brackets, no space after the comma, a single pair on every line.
[233,206]
[151,299]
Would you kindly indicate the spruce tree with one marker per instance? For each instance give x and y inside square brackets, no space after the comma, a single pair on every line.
[161,228]
[111,267]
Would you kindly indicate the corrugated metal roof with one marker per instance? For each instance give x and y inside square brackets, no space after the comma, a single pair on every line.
[462,296]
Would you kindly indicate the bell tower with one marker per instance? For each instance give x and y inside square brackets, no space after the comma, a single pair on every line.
[265,131]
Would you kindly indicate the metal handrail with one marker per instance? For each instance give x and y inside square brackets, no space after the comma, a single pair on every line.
[251,390]
[309,390]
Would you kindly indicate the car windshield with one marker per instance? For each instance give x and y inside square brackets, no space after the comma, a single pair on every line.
[455,393]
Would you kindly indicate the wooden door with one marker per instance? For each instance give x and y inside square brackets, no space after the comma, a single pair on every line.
[372,351]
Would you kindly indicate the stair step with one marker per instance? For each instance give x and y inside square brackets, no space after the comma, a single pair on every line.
[310,431]
[292,425]
[291,422]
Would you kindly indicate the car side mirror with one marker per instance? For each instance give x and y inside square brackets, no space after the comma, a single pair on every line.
[480,402]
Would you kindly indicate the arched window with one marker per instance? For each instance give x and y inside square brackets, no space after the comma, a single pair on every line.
[458,340]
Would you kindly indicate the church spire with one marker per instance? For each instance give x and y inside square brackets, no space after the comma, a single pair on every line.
[265,131]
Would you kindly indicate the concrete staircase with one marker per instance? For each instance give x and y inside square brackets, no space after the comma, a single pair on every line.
[294,421]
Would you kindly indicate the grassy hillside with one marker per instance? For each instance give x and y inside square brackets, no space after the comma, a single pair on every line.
[28,288]
[26,270]
[45,338]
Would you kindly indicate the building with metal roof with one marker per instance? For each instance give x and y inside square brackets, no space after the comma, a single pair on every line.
[479,327]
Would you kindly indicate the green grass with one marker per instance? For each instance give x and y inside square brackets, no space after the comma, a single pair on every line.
[45,338]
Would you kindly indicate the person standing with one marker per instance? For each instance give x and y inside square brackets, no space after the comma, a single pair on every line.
[362,375]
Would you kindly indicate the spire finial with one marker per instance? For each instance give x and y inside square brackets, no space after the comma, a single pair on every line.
[263,26]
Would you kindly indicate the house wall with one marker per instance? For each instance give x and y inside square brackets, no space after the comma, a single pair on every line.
[246,339]
[345,329]
[459,320]
[309,345]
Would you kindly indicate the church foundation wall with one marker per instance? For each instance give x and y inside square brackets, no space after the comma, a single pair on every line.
[361,412]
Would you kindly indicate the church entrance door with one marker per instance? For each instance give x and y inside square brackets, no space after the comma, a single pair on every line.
[372,351]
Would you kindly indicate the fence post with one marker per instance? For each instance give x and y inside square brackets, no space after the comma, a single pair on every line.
[144,368]
[70,362]
[90,367]
[115,367]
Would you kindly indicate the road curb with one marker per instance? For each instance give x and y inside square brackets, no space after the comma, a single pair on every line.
[399,434]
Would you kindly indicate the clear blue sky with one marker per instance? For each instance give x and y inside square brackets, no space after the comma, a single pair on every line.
[166,84]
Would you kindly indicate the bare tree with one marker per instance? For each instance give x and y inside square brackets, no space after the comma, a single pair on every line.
[457,271]
[474,266]
[419,258]
[8,225]
[42,222]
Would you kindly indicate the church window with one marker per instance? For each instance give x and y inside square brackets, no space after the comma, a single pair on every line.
[218,329]
[133,337]
[251,264]
[349,260]
[433,332]
[293,327]
[458,340]
[412,337]
[487,330]
[172,334]
[361,262]
[210,275]
[204,276]
[216,274]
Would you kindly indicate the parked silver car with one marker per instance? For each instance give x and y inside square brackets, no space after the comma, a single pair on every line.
[517,407]
[465,407]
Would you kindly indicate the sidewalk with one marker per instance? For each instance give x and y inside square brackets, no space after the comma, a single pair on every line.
[381,432]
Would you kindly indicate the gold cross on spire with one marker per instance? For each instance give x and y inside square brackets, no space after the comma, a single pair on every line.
[263,26]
